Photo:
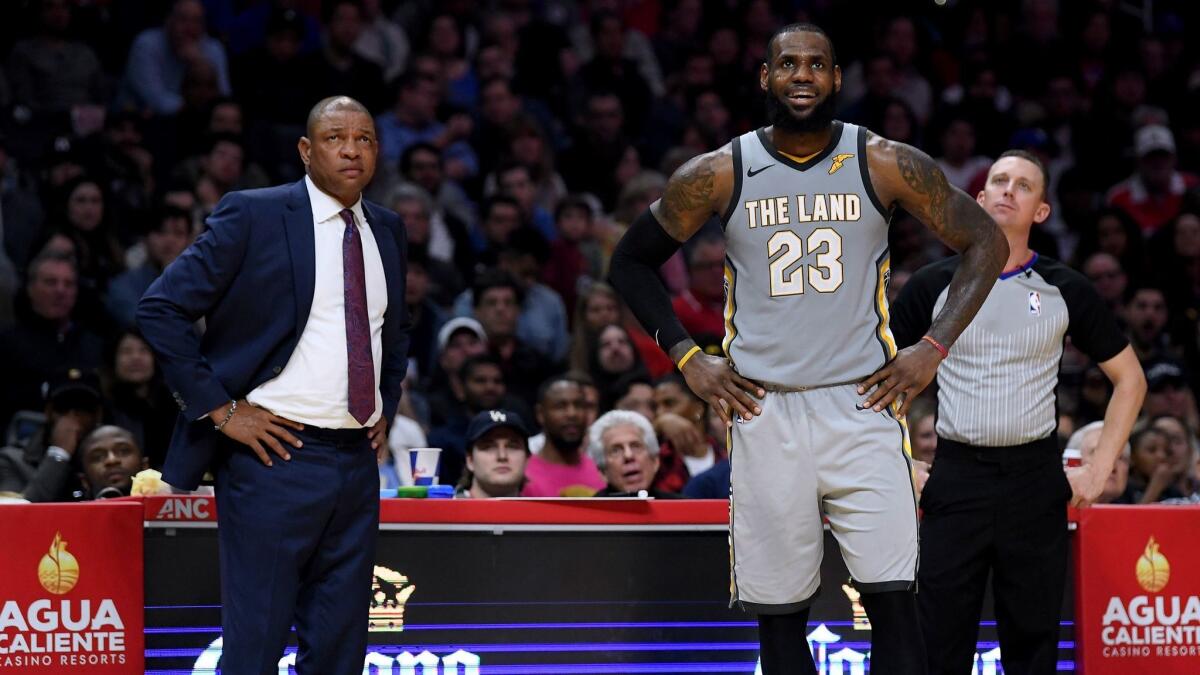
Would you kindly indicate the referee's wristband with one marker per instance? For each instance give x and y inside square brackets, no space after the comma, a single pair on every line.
[691,352]
[937,345]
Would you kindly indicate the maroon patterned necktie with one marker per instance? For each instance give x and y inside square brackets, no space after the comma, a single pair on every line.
[361,370]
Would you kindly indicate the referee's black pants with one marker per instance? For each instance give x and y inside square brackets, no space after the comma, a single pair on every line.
[1002,510]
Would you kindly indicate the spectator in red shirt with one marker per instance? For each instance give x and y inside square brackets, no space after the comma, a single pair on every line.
[681,421]
[1153,196]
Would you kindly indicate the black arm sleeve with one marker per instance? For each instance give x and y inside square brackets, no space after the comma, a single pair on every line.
[912,313]
[634,273]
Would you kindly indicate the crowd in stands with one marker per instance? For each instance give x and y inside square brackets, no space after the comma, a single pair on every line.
[518,138]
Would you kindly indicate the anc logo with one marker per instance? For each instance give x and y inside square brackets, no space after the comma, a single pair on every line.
[837,162]
[1153,570]
[58,571]
[389,591]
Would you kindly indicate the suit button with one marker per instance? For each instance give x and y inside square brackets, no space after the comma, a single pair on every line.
[277,370]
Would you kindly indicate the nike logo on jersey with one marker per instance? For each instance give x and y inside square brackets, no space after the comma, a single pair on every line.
[837,162]
[751,173]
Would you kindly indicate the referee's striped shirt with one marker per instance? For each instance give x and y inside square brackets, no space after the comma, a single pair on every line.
[997,388]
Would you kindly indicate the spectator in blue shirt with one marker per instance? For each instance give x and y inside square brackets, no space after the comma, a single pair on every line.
[160,57]
[414,118]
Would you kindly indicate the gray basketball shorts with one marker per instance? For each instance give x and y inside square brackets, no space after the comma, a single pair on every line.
[812,454]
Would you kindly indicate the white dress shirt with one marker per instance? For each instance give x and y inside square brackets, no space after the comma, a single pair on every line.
[313,386]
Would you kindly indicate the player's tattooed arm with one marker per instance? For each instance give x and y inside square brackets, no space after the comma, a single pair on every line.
[906,177]
[696,191]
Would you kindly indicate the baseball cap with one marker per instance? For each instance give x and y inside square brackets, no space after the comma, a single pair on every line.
[1165,372]
[72,388]
[488,420]
[456,324]
[1153,137]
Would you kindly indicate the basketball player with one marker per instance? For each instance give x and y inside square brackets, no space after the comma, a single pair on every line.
[813,371]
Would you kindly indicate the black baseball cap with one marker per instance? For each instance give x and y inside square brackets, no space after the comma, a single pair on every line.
[72,389]
[1164,372]
[488,420]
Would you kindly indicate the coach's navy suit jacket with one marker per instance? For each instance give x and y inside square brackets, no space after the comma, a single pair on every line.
[251,277]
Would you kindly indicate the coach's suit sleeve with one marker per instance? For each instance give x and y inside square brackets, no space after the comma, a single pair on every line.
[395,356]
[186,291]
[912,313]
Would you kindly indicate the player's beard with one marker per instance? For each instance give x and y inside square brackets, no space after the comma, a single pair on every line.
[818,119]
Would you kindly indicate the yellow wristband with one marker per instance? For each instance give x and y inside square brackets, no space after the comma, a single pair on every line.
[690,354]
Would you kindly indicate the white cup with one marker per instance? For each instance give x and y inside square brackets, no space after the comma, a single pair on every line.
[424,465]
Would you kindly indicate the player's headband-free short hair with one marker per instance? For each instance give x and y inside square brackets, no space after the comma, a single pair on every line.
[802,27]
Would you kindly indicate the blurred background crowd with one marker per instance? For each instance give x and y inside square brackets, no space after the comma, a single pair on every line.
[518,138]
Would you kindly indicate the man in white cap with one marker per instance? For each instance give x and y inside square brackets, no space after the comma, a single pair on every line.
[1154,194]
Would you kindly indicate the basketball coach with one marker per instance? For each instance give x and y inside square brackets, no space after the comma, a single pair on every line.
[288,390]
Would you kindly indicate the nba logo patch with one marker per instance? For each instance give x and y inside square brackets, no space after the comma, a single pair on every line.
[1035,303]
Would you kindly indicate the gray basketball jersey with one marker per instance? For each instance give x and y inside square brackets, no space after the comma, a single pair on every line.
[807,264]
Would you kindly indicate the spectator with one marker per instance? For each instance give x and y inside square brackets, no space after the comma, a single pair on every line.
[449,237]
[415,208]
[541,322]
[445,41]
[82,216]
[596,308]
[46,337]
[574,257]
[221,169]
[1168,393]
[1152,473]
[612,356]
[273,80]
[497,453]
[459,339]
[160,58]
[1154,194]
[632,391]
[336,68]
[170,233]
[900,42]
[499,112]
[40,468]
[382,41]
[590,164]
[710,484]
[1181,450]
[413,118]
[20,209]
[624,446]
[425,316]
[681,419]
[923,436]
[137,399]
[958,160]
[110,457]
[515,180]
[482,389]
[51,72]
[1105,273]
[1086,439]
[701,308]
[1146,319]
[610,70]
[561,469]
[529,147]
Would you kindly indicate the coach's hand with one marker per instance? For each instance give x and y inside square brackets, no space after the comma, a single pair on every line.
[378,436]
[258,429]
[715,382]
[1087,482]
[908,374]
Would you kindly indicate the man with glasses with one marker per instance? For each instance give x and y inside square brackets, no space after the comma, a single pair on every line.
[623,445]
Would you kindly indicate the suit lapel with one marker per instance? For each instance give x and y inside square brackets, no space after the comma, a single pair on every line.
[298,228]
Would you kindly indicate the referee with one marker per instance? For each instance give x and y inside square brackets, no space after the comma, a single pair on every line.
[996,499]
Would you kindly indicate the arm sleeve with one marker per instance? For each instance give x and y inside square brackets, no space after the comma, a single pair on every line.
[643,249]
[1092,327]
[912,313]
[187,290]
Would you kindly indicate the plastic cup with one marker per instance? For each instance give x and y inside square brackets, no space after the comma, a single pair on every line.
[424,463]
[1072,457]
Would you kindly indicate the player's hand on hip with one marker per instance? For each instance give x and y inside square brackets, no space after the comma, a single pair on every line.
[1087,483]
[906,375]
[260,430]
[716,383]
